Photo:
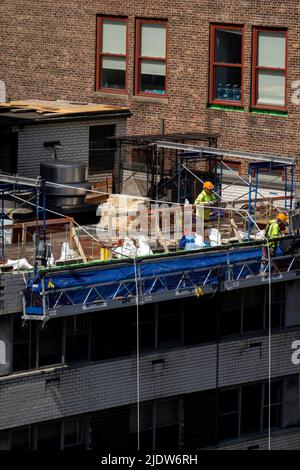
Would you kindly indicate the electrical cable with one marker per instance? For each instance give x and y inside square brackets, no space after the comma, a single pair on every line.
[137,352]
[269,345]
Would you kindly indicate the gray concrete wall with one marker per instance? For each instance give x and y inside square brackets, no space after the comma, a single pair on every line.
[45,395]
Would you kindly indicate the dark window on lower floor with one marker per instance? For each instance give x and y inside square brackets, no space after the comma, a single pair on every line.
[111,333]
[77,338]
[101,149]
[50,343]
[48,436]
[159,425]
[74,434]
[228,414]
[24,345]
[71,433]
[250,408]
[230,313]
[200,320]
[22,439]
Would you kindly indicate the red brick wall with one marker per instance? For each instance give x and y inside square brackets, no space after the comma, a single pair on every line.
[48,51]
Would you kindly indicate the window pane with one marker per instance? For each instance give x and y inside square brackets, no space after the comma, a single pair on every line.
[271,49]
[228,426]
[4,440]
[251,408]
[24,347]
[101,155]
[153,77]
[276,411]
[169,330]
[21,439]
[229,401]
[48,437]
[74,432]
[113,73]
[235,168]
[50,343]
[145,418]
[253,309]
[200,327]
[228,83]
[114,37]
[228,46]
[276,392]
[167,438]
[153,40]
[271,88]
[230,322]
[166,413]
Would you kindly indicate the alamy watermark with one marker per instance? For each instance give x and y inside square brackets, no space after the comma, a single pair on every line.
[151,221]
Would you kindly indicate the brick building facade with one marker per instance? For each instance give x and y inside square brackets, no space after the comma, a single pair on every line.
[60,378]
[59,62]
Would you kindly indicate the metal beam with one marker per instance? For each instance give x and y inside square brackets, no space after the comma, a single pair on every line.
[227,153]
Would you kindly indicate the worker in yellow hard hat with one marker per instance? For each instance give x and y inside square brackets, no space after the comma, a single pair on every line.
[274,229]
[206,197]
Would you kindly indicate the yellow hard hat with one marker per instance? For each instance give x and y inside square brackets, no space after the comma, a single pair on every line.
[208,185]
[282,217]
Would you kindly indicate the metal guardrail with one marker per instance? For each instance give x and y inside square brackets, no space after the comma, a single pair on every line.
[159,287]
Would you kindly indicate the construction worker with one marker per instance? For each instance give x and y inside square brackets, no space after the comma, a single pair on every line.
[274,229]
[206,197]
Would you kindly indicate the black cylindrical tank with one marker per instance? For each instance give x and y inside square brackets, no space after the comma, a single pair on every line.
[66,173]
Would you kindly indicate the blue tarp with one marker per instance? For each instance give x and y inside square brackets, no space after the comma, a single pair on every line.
[169,270]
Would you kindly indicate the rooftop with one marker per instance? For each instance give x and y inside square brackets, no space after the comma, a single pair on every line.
[29,112]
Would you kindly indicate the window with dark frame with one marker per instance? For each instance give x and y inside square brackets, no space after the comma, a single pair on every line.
[151,57]
[71,433]
[101,149]
[269,68]
[77,338]
[245,409]
[159,425]
[160,326]
[74,434]
[112,54]
[226,67]
[246,311]
[24,345]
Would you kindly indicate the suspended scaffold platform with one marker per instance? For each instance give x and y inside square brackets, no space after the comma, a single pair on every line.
[123,283]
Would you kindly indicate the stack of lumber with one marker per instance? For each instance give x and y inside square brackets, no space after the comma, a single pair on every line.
[121,209]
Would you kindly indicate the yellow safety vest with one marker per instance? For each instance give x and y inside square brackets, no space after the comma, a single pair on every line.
[203,198]
[272,231]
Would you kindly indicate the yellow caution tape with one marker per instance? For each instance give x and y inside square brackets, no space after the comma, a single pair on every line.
[199,292]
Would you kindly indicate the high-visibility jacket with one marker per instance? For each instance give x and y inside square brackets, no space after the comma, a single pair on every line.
[204,198]
[272,231]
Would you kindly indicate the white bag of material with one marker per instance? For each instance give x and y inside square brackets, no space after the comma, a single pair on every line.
[127,250]
[260,235]
[19,264]
[214,237]
[198,241]
[67,253]
[143,247]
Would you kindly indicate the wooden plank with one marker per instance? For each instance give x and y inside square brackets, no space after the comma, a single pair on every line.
[78,245]
[162,240]
[236,232]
